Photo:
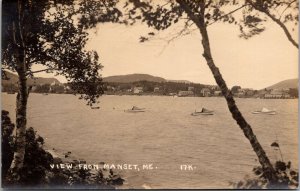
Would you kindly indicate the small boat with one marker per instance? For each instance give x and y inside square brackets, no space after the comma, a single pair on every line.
[95,107]
[135,109]
[45,93]
[203,111]
[265,111]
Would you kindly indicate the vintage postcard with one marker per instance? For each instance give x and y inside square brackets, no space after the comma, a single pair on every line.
[144,94]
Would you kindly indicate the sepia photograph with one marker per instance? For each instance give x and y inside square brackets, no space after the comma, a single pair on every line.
[149,94]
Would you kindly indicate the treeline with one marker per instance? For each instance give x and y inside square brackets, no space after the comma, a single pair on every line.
[43,88]
[148,87]
[294,92]
[163,88]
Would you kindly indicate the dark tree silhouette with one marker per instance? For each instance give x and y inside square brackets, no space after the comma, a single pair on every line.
[51,34]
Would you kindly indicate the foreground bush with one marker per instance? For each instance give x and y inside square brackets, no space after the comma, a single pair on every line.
[36,171]
[7,128]
[287,178]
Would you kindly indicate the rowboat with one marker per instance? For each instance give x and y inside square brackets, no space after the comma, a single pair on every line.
[265,111]
[135,109]
[203,111]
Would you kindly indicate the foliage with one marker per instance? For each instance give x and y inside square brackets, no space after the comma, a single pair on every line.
[49,34]
[81,178]
[52,34]
[251,22]
[94,12]
[235,89]
[7,128]
[294,92]
[283,12]
[287,178]
[36,162]
[45,88]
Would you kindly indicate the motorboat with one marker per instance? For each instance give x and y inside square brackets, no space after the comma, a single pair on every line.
[265,111]
[203,111]
[135,109]
[95,107]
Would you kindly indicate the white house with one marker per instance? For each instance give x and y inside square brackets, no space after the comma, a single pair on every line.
[217,93]
[205,92]
[137,90]
[185,93]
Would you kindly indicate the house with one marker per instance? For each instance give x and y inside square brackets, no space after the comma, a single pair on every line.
[262,93]
[110,88]
[213,87]
[277,94]
[185,93]
[217,93]
[205,92]
[137,90]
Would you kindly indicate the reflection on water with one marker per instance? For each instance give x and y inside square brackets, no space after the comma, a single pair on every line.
[165,135]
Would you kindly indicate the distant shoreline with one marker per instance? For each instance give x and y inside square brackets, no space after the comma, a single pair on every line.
[152,95]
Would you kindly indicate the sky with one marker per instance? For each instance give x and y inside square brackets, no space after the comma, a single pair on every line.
[256,63]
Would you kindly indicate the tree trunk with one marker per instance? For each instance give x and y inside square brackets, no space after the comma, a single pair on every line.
[236,114]
[20,140]
[13,175]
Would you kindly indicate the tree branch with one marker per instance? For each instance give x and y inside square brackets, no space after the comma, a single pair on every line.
[286,8]
[227,14]
[277,21]
[286,31]
[182,32]
[209,2]
[38,71]
[188,11]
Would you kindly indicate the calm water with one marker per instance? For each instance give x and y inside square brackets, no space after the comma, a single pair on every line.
[166,135]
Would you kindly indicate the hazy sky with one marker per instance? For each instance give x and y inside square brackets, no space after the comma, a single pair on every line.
[254,63]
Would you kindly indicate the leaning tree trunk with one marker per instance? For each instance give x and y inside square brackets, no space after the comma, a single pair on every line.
[236,114]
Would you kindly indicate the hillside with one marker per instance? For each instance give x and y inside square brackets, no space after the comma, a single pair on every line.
[133,78]
[291,83]
[13,79]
